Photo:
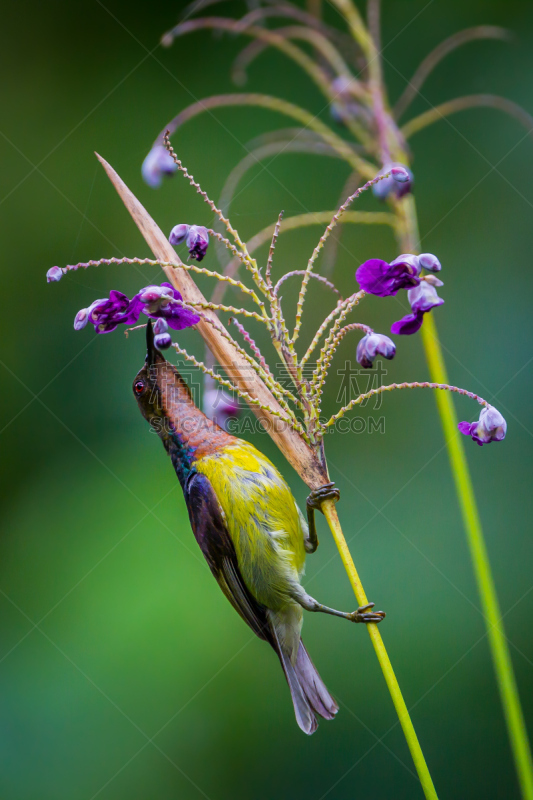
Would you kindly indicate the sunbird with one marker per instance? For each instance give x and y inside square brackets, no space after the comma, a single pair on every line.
[248,526]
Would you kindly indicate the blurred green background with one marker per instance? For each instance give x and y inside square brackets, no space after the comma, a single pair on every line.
[123,671]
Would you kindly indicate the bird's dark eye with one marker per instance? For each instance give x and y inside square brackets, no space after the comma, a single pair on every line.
[138,387]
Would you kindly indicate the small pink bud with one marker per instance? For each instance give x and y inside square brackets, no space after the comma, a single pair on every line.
[433,280]
[54,274]
[430,262]
[81,318]
[151,294]
[160,325]
[400,174]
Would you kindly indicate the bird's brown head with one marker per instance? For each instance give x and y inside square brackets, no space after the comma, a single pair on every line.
[166,403]
[161,393]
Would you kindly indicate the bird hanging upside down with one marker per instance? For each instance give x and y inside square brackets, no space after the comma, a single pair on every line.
[249,528]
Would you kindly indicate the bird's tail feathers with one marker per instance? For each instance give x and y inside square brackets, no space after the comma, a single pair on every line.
[308,692]
[313,686]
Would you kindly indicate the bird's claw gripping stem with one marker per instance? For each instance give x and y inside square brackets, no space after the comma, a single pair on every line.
[327,492]
[364,614]
[314,503]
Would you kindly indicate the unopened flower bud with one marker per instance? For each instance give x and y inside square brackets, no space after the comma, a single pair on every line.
[162,341]
[160,325]
[157,163]
[54,274]
[178,234]
[81,319]
[433,280]
[399,182]
[152,294]
[374,344]
[400,174]
[430,262]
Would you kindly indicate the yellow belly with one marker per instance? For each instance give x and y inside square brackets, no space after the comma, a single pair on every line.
[263,520]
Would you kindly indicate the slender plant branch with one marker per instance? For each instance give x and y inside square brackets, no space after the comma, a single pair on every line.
[463,103]
[434,58]
[501,656]
[318,40]
[301,115]
[334,220]
[301,221]
[330,513]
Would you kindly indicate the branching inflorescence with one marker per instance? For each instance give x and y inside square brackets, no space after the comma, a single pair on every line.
[301,406]
[347,70]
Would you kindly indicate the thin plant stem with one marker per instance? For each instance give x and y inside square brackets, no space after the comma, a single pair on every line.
[478,551]
[501,656]
[330,513]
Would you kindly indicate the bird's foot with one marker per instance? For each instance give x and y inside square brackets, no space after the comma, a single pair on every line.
[366,615]
[327,492]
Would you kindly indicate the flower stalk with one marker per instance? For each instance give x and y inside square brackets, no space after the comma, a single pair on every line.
[404,717]
[501,657]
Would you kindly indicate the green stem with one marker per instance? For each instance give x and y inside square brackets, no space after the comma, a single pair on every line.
[501,656]
[330,513]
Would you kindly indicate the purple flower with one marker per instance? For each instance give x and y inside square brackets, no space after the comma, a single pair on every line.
[157,163]
[167,303]
[162,338]
[106,314]
[196,237]
[422,298]
[163,303]
[220,407]
[430,262]
[399,183]
[408,324]
[374,344]
[377,277]
[491,427]
[197,241]
[54,274]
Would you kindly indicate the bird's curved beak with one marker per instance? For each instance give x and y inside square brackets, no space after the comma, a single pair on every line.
[151,350]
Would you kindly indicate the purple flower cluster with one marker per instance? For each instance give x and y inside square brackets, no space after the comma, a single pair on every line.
[162,303]
[196,238]
[157,163]
[491,427]
[385,280]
